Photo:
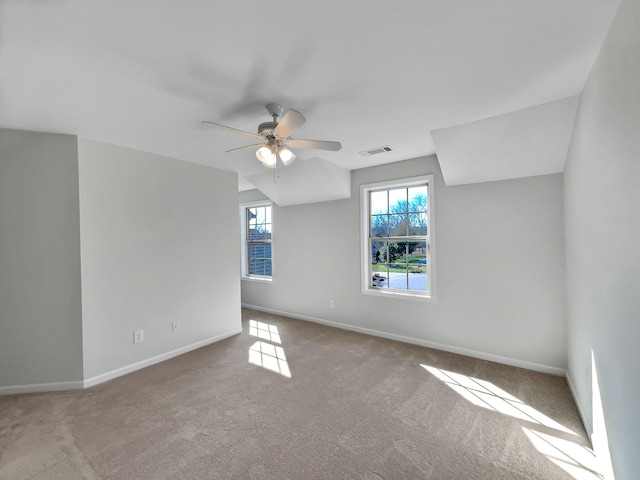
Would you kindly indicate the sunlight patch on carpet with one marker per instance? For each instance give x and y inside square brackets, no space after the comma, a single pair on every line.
[487,395]
[270,357]
[267,355]
[575,459]
[264,331]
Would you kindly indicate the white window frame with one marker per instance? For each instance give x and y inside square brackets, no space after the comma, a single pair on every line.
[243,238]
[365,218]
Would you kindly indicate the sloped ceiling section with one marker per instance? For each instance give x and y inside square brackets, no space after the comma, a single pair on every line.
[310,181]
[528,142]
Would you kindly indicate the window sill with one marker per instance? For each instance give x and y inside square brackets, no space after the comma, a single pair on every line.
[267,281]
[399,295]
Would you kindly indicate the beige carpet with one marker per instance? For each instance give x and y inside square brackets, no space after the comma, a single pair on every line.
[288,399]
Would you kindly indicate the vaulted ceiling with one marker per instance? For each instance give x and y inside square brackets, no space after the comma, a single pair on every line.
[491,86]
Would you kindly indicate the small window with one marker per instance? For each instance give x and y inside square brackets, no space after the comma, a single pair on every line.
[257,239]
[397,237]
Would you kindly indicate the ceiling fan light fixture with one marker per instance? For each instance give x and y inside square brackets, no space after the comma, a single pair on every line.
[267,156]
[275,137]
[286,155]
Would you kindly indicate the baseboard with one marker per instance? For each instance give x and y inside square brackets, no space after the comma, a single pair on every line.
[105,377]
[416,341]
[40,387]
[586,424]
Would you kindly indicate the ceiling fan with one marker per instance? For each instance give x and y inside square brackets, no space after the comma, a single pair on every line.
[275,137]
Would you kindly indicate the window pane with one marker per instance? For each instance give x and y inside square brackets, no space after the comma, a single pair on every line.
[379,225]
[417,199]
[398,277]
[255,234]
[256,250]
[379,267]
[267,267]
[378,252]
[418,279]
[398,225]
[417,266]
[379,277]
[417,224]
[392,252]
[417,252]
[401,253]
[379,202]
[260,266]
[259,250]
[260,217]
[398,200]
[256,267]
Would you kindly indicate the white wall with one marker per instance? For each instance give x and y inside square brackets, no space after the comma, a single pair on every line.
[602,200]
[40,309]
[499,260]
[160,244]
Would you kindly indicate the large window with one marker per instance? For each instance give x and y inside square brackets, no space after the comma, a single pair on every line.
[397,238]
[257,241]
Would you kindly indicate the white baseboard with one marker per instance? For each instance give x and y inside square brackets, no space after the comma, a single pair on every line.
[40,387]
[105,377]
[90,382]
[423,343]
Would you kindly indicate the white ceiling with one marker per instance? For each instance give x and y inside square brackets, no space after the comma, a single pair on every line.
[144,73]
[532,141]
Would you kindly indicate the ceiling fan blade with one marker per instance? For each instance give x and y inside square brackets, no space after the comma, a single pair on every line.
[255,145]
[315,144]
[248,134]
[291,121]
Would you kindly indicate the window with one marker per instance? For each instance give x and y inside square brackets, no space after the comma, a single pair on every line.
[257,261]
[397,233]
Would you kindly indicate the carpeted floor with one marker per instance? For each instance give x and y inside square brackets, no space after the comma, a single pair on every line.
[288,399]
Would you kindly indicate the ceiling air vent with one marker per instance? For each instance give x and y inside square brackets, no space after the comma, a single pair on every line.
[375,151]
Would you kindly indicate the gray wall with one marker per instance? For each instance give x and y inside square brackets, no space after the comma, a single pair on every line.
[499,261]
[97,241]
[602,199]
[40,306]
[160,244]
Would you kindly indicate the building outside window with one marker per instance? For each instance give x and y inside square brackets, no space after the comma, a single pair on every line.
[397,238]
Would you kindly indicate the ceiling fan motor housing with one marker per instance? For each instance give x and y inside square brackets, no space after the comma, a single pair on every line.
[266,129]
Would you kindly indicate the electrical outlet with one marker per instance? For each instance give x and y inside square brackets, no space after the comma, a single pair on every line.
[138,336]
[332,304]
[175,326]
